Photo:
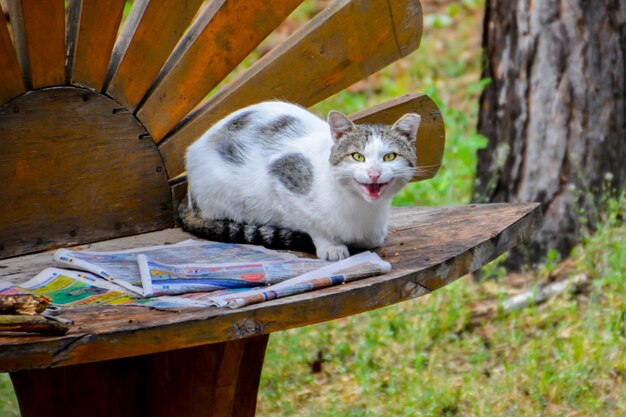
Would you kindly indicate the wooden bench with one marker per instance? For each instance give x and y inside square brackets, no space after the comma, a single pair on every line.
[93,127]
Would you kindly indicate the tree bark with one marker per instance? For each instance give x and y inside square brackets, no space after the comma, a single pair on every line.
[554,113]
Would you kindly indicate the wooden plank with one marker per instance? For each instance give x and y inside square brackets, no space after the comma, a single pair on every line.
[190,382]
[76,169]
[92,29]
[428,247]
[150,34]
[31,324]
[12,83]
[39,30]
[19,39]
[431,137]
[344,43]
[220,39]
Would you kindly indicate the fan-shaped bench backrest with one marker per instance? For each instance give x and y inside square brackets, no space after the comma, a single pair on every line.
[95,119]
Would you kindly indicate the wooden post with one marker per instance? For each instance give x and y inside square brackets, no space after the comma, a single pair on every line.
[218,380]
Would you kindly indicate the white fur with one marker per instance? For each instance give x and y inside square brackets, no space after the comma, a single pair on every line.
[334,213]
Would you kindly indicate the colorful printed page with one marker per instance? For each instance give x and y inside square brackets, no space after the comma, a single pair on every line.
[159,278]
[68,288]
[121,267]
[73,288]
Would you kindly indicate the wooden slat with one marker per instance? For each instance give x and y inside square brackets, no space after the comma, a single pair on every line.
[150,35]
[92,29]
[343,44]
[39,30]
[428,247]
[222,37]
[76,169]
[430,141]
[12,83]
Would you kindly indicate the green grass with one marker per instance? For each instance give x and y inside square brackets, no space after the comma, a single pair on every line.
[8,402]
[428,357]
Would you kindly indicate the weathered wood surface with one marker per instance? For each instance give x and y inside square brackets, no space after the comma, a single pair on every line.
[218,380]
[152,30]
[39,35]
[343,44]
[428,247]
[225,33]
[91,33]
[76,169]
[431,136]
[12,82]
[31,324]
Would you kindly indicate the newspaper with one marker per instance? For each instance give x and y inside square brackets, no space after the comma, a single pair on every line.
[73,288]
[121,267]
[194,273]
[160,278]
[365,264]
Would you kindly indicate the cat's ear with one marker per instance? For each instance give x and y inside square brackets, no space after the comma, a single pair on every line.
[407,126]
[339,125]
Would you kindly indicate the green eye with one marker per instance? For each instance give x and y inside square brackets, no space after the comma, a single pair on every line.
[358,157]
[389,157]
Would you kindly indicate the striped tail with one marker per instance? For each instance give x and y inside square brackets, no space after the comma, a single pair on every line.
[225,230]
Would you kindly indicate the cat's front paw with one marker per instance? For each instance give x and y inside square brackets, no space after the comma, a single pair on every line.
[333,253]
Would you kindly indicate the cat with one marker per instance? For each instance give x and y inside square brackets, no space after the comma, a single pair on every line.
[277,175]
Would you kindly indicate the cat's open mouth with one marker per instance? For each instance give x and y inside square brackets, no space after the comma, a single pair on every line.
[373,191]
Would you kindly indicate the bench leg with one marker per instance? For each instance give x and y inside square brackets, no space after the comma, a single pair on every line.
[221,379]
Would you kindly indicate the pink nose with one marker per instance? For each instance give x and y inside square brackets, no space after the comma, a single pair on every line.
[374,176]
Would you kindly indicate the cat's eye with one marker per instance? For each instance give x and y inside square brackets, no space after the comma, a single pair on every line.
[390,157]
[358,157]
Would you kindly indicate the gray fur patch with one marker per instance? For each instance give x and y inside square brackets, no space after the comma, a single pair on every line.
[294,171]
[234,231]
[228,143]
[250,233]
[356,141]
[240,121]
[267,233]
[225,230]
[230,149]
[285,126]
[403,147]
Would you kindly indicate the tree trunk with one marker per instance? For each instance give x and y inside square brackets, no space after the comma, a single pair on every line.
[554,112]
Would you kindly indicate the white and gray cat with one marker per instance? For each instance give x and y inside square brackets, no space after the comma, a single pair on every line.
[275,174]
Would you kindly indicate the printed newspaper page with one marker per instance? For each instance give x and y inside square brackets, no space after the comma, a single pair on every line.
[121,267]
[359,266]
[159,278]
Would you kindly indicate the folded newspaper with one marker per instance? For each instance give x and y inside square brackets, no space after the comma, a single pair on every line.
[121,267]
[190,273]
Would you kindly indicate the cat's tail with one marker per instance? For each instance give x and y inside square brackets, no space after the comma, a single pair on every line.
[225,230]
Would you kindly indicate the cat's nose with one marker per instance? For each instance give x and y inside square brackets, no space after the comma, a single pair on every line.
[374,176]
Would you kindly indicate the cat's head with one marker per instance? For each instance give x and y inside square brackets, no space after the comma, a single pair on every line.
[374,161]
